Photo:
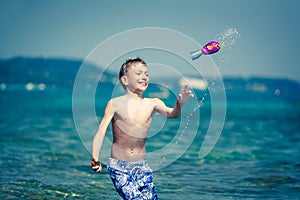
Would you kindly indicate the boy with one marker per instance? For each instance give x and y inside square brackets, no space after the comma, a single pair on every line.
[131,117]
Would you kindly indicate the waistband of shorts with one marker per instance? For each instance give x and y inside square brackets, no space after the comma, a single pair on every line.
[124,165]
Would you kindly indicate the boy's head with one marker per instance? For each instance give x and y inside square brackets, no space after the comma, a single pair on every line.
[128,64]
[126,69]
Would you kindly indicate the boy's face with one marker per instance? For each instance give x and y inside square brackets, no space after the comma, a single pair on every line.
[137,78]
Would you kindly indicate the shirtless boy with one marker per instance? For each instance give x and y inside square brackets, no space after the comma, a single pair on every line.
[131,117]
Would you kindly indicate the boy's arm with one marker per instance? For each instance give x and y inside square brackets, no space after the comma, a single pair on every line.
[174,112]
[99,136]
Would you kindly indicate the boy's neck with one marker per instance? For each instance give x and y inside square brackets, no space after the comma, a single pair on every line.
[134,95]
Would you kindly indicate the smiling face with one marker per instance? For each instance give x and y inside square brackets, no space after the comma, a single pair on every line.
[136,78]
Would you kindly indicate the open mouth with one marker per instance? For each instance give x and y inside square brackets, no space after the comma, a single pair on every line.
[143,83]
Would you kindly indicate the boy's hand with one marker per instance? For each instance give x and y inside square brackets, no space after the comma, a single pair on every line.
[96,166]
[184,94]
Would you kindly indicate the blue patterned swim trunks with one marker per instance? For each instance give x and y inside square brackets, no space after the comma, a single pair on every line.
[132,180]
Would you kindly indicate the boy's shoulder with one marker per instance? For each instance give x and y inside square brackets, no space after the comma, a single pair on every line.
[115,103]
[154,100]
[118,99]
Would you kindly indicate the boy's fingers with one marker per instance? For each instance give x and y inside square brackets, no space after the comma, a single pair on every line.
[184,87]
[190,93]
[180,96]
[97,168]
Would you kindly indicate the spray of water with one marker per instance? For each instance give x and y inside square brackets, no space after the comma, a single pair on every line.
[228,41]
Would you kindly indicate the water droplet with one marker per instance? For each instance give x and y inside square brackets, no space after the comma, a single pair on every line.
[200,103]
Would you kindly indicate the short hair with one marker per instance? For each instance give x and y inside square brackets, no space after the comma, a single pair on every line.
[128,63]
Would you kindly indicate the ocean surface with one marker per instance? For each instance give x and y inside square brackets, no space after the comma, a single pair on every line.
[43,156]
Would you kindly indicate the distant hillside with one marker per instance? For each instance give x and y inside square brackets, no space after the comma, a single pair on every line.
[24,70]
[39,70]
[62,72]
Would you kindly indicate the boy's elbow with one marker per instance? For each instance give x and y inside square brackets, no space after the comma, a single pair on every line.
[173,115]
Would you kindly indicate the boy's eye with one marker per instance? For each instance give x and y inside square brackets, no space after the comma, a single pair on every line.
[140,73]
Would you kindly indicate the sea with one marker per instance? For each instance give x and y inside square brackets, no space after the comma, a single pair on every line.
[44,156]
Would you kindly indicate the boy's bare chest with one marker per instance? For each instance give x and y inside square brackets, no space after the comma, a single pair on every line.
[139,114]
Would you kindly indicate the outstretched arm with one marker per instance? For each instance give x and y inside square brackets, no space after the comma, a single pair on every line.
[99,137]
[174,112]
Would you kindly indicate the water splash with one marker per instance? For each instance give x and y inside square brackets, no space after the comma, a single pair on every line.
[228,41]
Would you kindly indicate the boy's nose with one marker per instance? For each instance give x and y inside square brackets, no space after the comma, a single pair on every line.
[144,77]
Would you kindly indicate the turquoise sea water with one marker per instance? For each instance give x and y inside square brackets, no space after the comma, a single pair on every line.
[256,157]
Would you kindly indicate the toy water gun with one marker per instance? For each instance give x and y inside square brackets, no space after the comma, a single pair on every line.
[209,48]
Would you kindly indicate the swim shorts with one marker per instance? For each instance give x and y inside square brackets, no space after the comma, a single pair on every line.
[132,180]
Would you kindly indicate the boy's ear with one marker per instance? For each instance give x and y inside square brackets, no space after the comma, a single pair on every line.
[124,80]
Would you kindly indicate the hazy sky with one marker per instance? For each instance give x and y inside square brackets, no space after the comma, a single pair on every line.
[269,30]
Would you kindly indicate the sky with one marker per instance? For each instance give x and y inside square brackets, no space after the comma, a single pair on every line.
[269,30]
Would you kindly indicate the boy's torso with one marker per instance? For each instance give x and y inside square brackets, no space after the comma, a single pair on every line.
[131,123]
